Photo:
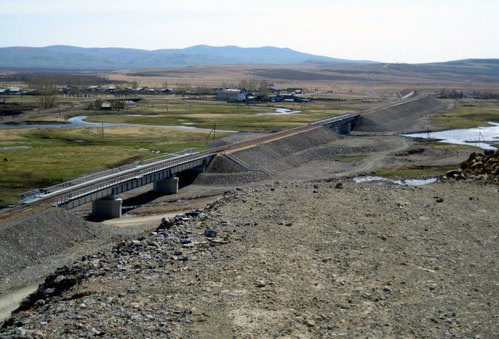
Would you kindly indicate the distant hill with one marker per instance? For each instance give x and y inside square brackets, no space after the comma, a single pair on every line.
[78,58]
[469,67]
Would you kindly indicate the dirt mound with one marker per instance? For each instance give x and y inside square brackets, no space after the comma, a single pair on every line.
[478,166]
[35,239]
[312,155]
[229,179]
[408,116]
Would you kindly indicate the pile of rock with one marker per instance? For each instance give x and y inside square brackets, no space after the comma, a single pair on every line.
[478,166]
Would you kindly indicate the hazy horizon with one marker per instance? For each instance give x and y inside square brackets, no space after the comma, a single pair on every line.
[383,30]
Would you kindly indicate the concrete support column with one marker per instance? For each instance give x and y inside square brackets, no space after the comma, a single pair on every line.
[107,208]
[166,186]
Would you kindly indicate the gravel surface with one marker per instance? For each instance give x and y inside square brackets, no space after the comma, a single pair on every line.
[35,238]
[291,259]
[277,156]
[307,156]
[33,247]
[406,117]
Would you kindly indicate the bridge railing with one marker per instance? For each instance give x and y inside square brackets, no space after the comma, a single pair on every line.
[133,175]
[93,176]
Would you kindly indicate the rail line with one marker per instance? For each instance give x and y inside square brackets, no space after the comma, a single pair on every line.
[59,194]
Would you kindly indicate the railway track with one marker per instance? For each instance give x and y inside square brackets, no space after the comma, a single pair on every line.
[56,197]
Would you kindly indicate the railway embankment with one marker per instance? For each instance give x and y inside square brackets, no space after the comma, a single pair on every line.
[405,117]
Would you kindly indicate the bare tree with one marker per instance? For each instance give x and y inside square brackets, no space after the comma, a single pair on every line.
[47,88]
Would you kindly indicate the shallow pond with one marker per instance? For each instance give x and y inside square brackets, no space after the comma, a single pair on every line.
[481,137]
[402,182]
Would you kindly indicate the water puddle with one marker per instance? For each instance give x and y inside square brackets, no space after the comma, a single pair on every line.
[479,136]
[5,148]
[280,111]
[401,182]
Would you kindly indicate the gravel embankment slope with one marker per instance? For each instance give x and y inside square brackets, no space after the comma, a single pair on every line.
[292,259]
[405,117]
[37,244]
[38,237]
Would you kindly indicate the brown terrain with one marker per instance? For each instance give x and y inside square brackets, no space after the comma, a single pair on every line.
[345,80]
[287,245]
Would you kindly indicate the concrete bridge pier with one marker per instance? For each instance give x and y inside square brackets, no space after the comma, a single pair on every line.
[108,207]
[166,186]
[346,128]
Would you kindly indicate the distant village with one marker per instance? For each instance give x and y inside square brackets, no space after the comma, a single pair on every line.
[128,95]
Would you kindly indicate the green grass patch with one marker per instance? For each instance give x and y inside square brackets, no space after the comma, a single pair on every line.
[452,146]
[467,117]
[350,158]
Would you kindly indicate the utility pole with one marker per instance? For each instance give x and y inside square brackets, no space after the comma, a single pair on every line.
[468,93]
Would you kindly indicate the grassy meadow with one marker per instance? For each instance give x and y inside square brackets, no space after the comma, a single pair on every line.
[479,114]
[207,114]
[57,155]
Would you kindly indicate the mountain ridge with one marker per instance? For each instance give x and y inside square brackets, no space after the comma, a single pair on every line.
[66,57]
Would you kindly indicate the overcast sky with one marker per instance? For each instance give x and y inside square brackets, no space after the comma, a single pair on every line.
[381,30]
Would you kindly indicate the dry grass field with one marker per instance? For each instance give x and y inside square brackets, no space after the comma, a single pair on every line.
[340,79]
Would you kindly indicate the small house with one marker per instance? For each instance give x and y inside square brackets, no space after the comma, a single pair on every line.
[106,106]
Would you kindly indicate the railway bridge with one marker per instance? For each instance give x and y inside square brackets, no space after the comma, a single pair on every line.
[103,188]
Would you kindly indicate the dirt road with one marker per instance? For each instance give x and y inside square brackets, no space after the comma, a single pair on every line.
[11,301]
